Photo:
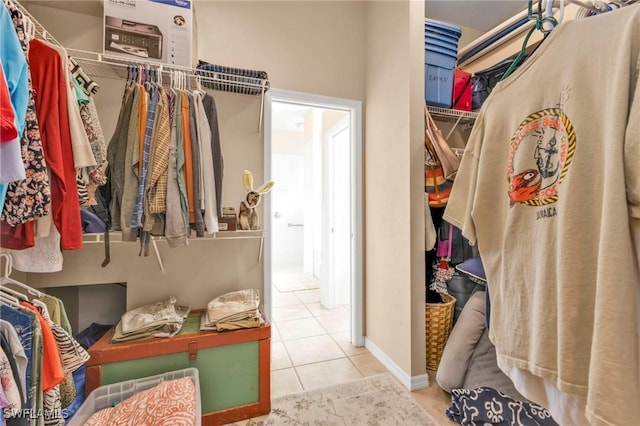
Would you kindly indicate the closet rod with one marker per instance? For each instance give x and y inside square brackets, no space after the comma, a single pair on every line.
[109,66]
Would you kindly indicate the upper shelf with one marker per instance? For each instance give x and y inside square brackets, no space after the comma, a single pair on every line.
[451,114]
[111,66]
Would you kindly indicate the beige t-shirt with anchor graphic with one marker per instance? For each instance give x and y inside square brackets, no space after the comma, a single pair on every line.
[549,187]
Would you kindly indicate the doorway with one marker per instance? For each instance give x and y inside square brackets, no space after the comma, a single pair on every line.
[313,215]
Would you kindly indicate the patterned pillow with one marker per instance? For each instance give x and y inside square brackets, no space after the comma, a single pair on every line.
[486,406]
[473,269]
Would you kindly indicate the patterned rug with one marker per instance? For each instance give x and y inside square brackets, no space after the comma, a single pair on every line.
[371,401]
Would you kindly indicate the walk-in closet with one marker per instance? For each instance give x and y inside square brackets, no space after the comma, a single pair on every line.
[319,212]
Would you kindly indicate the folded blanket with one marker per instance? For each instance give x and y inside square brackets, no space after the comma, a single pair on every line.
[486,406]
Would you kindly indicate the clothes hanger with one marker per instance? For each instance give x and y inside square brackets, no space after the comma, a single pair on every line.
[8,300]
[541,22]
[13,293]
[8,267]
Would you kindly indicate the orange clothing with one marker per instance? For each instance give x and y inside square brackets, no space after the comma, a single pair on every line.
[52,372]
[188,160]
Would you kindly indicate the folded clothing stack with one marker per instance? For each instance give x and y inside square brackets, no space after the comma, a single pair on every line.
[229,79]
[234,310]
[162,319]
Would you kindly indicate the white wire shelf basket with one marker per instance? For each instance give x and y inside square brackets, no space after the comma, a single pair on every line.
[111,66]
[444,113]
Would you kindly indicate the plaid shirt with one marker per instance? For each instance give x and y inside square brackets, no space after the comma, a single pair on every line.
[156,190]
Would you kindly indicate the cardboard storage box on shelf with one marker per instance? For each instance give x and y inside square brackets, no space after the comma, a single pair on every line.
[148,31]
[234,366]
[229,219]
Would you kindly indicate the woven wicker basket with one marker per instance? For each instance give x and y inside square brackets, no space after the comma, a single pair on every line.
[438,320]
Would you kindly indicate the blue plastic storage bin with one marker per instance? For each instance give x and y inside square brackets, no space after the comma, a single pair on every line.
[442,26]
[444,41]
[441,52]
[440,48]
[438,75]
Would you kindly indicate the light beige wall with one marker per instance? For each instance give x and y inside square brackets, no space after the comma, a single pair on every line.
[72,29]
[468,35]
[306,46]
[388,181]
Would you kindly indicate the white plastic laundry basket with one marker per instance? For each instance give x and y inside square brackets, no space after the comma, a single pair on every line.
[110,395]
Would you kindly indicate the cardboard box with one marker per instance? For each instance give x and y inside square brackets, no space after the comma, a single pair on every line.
[144,31]
[228,223]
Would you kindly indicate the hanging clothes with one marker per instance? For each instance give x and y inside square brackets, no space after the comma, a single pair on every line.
[52,372]
[209,177]
[30,198]
[135,136]
[8,128]
[211,111]
[161,165]
[10,385]
[16,73]
[155,197]
[28,329]
[198,221]
[187,164]
[136,220]
[82,153]
[9,333]
[72,356]
[549,254]
[49,82]
[176,230]
[116,153]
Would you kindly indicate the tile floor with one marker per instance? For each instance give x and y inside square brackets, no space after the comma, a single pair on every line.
[310,348]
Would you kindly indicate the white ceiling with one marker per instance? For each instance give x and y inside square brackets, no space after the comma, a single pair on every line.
[481,15]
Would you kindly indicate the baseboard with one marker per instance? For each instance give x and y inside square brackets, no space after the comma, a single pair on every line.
[410,382]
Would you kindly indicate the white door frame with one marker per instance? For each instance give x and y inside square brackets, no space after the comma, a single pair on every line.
[355,109]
